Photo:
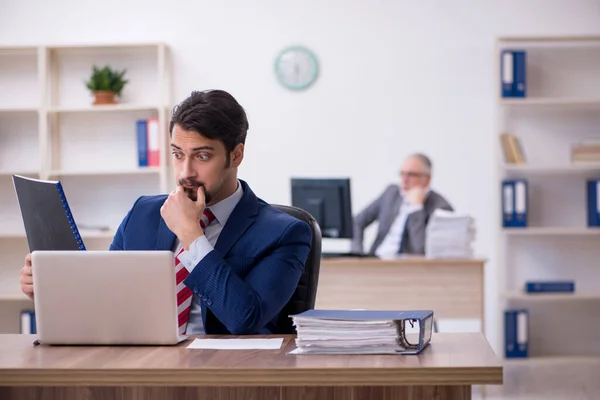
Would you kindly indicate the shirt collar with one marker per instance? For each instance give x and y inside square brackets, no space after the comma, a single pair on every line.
[223,209]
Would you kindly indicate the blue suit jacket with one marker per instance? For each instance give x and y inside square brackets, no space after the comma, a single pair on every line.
[250,276]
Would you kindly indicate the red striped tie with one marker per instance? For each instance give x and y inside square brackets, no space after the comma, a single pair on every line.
[184,294]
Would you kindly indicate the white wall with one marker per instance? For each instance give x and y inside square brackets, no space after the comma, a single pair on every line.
[397,77]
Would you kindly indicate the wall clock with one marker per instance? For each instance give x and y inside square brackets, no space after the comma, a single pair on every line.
[296,68]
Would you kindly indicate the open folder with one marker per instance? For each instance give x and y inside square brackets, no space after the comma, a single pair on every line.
[362,332]
[47,217]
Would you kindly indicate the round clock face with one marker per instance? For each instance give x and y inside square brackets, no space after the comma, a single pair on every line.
[296,68]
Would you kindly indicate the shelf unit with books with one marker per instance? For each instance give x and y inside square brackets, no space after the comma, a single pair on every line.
[50,129]
[552,122]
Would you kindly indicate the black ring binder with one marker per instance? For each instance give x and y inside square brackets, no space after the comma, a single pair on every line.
[70,218]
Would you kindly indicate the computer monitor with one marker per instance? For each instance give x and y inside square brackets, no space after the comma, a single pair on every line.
[328,201]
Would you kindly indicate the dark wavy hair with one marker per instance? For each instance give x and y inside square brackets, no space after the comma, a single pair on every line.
[214,114]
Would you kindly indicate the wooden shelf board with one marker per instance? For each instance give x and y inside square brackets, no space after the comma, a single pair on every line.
[551,296]
[104,108]
[18,109]
[552,169]
[105,46]
[85,234]
[13,297]
[559,231]
[566,38]
[12,235]
[552,360]
[139,171]
[550,101]
[18,50]
[97,234]
[25,173]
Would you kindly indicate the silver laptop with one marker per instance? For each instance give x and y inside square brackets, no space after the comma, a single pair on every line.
[105,297]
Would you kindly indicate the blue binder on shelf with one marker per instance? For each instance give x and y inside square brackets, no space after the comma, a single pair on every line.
[513,73]
[27,324]
[550,286]
[593,203]
[515,203]
[142,142]
[516,333]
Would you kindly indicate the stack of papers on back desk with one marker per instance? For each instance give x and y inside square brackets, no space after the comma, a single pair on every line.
[361,332]
[449,235]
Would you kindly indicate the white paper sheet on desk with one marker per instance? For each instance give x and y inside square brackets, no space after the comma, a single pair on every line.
[237,344]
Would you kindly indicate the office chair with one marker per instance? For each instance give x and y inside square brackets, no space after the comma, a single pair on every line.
[306,293]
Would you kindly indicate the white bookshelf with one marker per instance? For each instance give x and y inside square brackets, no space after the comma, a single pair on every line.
[561,108]
[50,129]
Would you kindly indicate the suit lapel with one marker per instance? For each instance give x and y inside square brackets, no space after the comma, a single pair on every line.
[239,221]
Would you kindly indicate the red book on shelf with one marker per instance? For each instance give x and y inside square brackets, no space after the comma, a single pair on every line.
[153,142]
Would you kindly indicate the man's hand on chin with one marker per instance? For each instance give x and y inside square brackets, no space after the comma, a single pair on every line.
[416,196]
[182,215]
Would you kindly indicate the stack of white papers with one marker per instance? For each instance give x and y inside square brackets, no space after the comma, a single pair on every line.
[449,235]
[237,344]
[350,332]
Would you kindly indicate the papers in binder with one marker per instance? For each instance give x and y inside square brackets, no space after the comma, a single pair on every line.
[361,332]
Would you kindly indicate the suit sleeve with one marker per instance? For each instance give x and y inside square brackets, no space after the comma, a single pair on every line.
[246,305]
[417,225]
[118,241]
[362,220]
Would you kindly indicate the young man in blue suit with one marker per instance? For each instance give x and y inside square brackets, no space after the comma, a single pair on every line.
[238,260]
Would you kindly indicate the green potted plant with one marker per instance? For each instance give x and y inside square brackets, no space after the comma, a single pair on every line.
[106,84]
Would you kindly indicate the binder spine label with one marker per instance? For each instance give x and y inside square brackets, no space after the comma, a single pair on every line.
[520,196]
[522,330]
[507,73]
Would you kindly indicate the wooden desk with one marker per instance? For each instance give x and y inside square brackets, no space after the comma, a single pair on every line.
[445,370]
[452,288]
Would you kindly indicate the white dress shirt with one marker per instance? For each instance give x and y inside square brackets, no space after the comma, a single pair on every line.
[201,247]
[390,246]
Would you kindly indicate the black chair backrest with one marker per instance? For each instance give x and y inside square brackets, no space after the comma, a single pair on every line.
[306,293]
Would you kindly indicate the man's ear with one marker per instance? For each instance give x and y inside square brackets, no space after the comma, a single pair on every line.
[237,155]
